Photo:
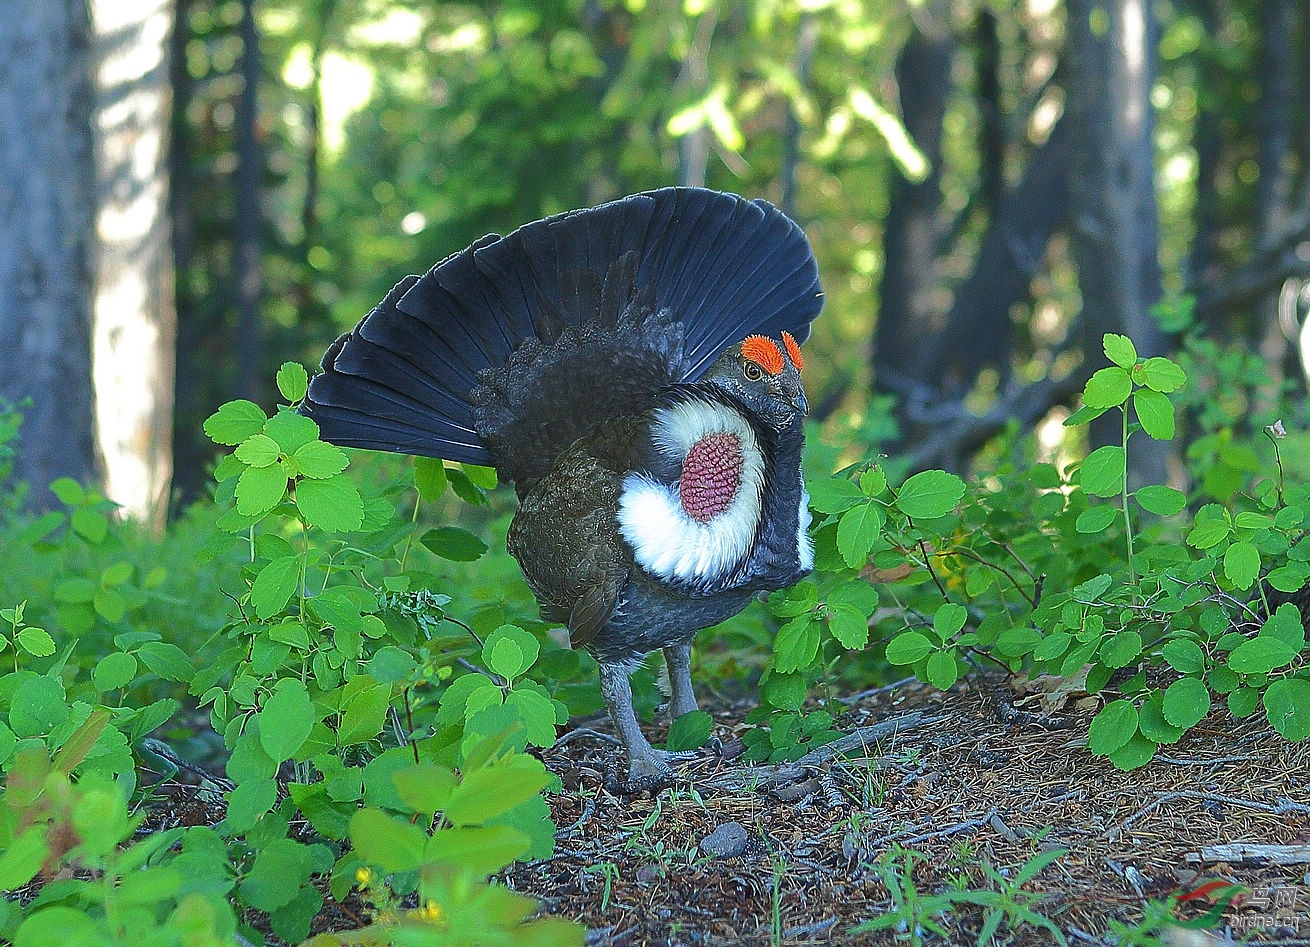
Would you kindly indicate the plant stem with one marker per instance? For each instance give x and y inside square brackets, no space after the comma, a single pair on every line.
[1128,522]
[409,540]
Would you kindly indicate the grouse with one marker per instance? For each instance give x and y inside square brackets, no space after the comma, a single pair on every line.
[634,370]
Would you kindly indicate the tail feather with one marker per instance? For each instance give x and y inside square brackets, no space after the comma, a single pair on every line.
[433,368]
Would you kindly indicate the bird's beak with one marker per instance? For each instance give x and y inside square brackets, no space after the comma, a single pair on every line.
[800,404]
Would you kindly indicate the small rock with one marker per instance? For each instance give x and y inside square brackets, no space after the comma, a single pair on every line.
[726,841]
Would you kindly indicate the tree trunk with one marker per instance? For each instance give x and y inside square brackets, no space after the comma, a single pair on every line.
[47,229]
[1276,69]
[247,245]
[1115,222]
[909,307]
[135,323]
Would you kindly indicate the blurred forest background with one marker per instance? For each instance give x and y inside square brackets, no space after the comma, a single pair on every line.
[197,190]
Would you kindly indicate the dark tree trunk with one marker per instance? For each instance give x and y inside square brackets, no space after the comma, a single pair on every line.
[1112,190]
[1276,72]
[991,133]
[248,273]
[807,38]
[1203,257]
[190,448]
[909,310]
[47,232]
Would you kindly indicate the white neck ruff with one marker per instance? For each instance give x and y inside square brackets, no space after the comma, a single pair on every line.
[667,542]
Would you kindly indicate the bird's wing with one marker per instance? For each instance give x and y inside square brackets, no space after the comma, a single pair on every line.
[566,539]
[507,351]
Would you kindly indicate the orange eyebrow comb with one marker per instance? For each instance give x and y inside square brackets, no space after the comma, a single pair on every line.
[763,352]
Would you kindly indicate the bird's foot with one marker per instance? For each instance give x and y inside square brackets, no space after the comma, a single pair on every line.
[648,771]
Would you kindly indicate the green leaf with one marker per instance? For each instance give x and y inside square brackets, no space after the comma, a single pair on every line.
[275,878]
[36,642]
[1113,727]
[258,450]
[364,716]
[319,460]
[430,478]
[930,494]
[908,647]
[479,850]
[292,381]
[1133,754]
[486,793]
[1120,350]
[1122,649]
[1243,702]
[785,691]
[453,543]
[292,431]
[1152,722]
[21,859]
[234,422]
[509,651]
[942,670]
[858,531]
[873,482]
[948,619]
[1285,625]
[116,574]
[1095,519]
[1211,527]
[1186,702]
[274,586]
[689,731]
[425,787]
[167,660]
[1261,655]
[333,504]
[1083,415]
[484,477]
[90,524]
[248,802]
[385,841]
[1155,412]
[1161,500]
[1160,374]
[1107,388]
[1287,705]
[286,719]
[259,489]
[1102,471]
[849,625]
[1242,564]
[38,706]
[113,671]
[796,644]
[1091,590]
[834,494]
[1289,578]
[1184,656]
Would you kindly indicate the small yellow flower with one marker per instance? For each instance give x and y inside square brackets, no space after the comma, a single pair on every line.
[363,875]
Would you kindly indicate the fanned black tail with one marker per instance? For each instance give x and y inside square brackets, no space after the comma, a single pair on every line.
[505,352]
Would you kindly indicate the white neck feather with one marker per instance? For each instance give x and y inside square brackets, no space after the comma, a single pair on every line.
[666,541]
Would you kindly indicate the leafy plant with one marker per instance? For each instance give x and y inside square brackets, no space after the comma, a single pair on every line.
[915,914]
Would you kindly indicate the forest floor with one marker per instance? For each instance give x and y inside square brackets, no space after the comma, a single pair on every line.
[979,781]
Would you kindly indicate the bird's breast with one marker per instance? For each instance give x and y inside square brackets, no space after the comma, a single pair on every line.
[691,514]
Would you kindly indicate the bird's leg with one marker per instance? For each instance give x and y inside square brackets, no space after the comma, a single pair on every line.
[682,700]
[647,766]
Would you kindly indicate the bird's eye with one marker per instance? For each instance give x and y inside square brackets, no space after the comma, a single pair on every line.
[752,371]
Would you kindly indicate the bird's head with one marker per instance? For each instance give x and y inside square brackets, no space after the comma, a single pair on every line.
[759,374]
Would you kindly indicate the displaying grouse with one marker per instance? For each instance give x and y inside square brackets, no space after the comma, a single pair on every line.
[619,365]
